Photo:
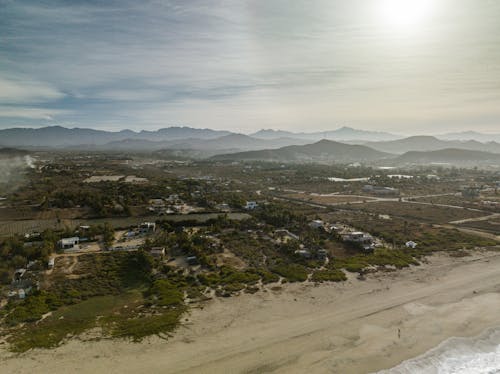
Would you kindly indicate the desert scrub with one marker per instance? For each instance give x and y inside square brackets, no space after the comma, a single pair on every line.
[328,276]
[291,272]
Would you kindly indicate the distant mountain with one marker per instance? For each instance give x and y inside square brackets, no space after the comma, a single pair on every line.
[450,156]
[431,143]
[60,137]
[471,135]
[322,151]
[223,144]
[341,134]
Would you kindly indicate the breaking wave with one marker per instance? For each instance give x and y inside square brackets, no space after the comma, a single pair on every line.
[479,355]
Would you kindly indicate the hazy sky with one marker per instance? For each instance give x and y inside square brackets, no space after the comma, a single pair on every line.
[407,66]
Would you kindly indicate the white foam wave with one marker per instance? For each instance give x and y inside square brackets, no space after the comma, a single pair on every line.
[480,355]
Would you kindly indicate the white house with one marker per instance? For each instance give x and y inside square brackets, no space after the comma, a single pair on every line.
[158,252]
[147,227]
[316,224]
[411,244]
[250,205]
[68,243]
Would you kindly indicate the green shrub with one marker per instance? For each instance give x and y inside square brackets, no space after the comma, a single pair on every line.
[291,272]
[328,276]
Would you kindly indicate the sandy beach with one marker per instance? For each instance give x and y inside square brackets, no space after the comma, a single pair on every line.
[352,327]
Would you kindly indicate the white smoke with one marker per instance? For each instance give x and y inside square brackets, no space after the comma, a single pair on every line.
[12,170]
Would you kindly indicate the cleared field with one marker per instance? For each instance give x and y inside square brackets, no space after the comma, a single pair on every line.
[424,213]
[491,226]
[11,227]
[328,198]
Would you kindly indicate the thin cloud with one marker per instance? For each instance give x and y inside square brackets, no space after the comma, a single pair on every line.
[245,65]
[27,91]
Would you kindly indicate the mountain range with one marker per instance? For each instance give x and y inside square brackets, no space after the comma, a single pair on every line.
[322,151]
[348,145]
[342,134]
[61,137]
[450,156]
[431,143]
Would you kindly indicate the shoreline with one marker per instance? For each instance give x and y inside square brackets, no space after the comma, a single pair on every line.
[349,327]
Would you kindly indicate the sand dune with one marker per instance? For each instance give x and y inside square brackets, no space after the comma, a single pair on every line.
[337,328]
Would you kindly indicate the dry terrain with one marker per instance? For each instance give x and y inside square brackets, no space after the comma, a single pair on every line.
[332,328]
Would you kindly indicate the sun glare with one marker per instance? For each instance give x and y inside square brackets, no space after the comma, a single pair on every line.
[405,13]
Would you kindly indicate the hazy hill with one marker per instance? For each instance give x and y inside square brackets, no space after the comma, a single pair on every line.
[471,135]
[322,151]
[223,144]
[431,143]
[57,136]
[451,156]
[341,134]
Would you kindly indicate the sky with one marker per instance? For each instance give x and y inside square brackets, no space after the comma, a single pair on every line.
[405,66]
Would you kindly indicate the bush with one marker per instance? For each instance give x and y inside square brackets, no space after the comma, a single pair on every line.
[165,293]
[328,276]
[291,272]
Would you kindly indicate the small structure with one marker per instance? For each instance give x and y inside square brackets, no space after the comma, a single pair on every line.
[51,262]
[285,235]
[21,293]
[18,274]
[380,190]
[192,260]
[322,254]
[69,243]
[251,205]
[223,207]
[360,238]
[304,253]
[411,244]
[317,224]
[470,192]
[146,227]
[157,252]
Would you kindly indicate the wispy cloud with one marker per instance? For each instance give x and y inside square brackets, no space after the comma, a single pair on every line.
[244,65]
[31,113]
[27,91]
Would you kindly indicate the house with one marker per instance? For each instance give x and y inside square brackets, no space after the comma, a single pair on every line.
[360,238]
[411,244]
[285,235]
[146,227]
[223,207]
[322,254]
[251,205]
[156,204]
[304,253]
[68,243]
[157,252]
[22,293]
[19,273]
[316,224]
[470,192]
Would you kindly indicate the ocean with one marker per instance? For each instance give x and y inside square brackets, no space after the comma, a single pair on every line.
[479,355]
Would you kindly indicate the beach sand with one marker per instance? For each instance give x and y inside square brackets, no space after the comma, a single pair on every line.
[349,327]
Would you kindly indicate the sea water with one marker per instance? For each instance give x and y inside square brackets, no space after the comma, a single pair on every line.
[479,355]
